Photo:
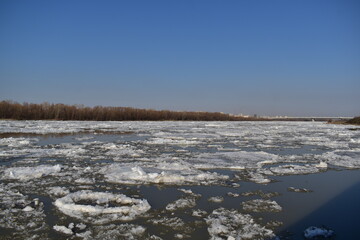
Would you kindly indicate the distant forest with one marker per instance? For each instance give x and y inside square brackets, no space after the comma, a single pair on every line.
[48,111]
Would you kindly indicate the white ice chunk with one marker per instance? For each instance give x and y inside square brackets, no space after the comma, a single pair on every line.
[233,160]
[190,193]
[81,226]
[122,150]
[173,141]
[85,181]
[127,209]
[348,159]
[173,223]
[16,142]
[115,231]
[58,191]
[260,205]
[63,230]
[258,178]
[199,213]
[163,173]
[217,199]
[314,232]
[28,209]
[230,224]
[27,173]
[181,204]
[293,169]
[321,165]
[299,190]
[231,194]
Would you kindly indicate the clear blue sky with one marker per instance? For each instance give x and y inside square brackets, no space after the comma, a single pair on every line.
[279,57]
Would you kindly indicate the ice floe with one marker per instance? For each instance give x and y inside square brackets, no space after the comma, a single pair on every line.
[125,208]
[27,173]
[173,141]
[231,224]
[260,193]
[231,194]
[85,181]
[12,142]
[291,169]
[112,231]
[233,160]
[199,213]
[22,215]
[174,223]
[63,230]
[261,205]
[181,204]
[347,159]
[190,193]
[317,232]
[301,190]
[163,173]
[216,199]
[257,177]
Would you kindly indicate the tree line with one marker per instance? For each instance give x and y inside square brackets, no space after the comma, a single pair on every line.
[47,111]
[355,121]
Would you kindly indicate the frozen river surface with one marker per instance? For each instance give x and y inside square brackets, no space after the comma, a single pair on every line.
[178,180]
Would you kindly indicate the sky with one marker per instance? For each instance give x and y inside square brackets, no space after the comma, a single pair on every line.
[264,57]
